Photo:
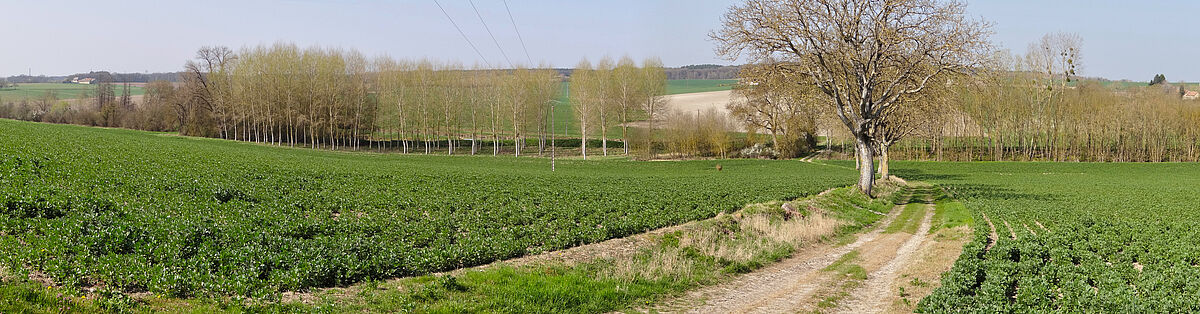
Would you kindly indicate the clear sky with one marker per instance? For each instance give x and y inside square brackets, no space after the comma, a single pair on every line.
[1123,39]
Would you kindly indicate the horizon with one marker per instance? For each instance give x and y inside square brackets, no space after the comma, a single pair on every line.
[1123,41]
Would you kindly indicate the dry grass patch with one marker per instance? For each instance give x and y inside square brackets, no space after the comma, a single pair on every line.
[729,243]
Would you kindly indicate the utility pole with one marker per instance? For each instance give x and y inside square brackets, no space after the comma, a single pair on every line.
[552,145]
[552,134]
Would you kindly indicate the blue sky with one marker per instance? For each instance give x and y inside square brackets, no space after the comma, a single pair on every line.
[1122,39]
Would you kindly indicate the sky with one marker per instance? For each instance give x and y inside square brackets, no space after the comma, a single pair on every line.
[1123,39]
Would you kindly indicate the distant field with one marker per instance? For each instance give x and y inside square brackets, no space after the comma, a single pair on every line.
[61,91]
[1135,84]
[698,86]
[566,124]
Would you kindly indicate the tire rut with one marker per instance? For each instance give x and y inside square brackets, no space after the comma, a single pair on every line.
[994,236]
[872,296]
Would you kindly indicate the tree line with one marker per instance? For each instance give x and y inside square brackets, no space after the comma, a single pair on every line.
[340,99]
[1031,107]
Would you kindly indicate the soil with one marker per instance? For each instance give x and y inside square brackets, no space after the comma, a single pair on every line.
[994,236]
[1011,233]
[800,282]
[693,102]
[1039,224]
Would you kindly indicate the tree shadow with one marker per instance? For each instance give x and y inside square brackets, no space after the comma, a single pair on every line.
[913,174]
[995,192]
[957,185]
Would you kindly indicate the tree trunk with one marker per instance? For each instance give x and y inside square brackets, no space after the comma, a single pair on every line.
[883,161]
[866,165]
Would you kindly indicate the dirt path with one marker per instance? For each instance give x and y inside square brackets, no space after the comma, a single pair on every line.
[874,295]
[804,282]
[777,288]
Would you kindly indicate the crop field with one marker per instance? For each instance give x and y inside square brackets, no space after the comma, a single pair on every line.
[675,87]
[567,124]
[1114,237]
[180,216]
[61,91]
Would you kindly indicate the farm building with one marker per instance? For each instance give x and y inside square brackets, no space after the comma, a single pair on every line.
[84,81]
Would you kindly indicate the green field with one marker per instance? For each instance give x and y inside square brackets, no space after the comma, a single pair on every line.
[1118,237]
[698,86]
[566,124]
[181,216]
[61,91]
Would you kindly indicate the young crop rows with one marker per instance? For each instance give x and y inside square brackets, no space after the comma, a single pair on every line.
[1072,237]
[180,216]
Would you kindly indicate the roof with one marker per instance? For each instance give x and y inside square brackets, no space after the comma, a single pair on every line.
[1191,93]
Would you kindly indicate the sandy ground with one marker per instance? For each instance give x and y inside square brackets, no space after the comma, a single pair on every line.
[79,101]
[955,124]
[700,101]
[693,102]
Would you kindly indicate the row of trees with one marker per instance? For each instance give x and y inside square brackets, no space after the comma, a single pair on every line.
[330,98]
[610,95]
[337,99]
[1031,107]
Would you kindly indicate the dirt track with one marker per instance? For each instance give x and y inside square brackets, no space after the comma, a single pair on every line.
[803,283]
[875,293]
[778,288]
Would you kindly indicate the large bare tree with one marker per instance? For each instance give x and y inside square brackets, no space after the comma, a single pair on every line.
[865,55]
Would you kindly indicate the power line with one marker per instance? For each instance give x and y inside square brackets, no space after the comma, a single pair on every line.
[514,23]
[464,35]
[489,31]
